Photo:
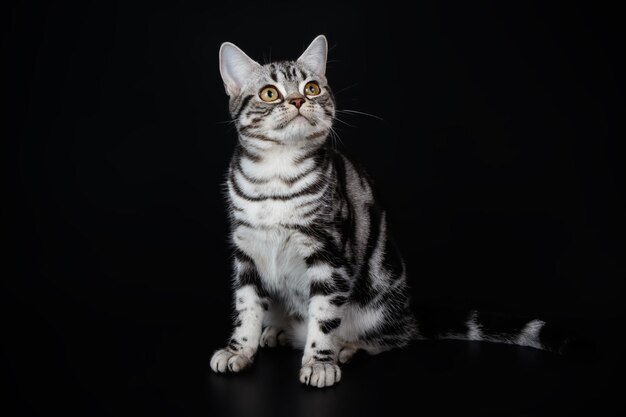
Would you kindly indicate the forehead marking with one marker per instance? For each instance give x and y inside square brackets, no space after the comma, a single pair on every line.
[273,73]
[285,72]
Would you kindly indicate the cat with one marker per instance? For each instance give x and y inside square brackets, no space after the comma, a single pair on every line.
[314,265]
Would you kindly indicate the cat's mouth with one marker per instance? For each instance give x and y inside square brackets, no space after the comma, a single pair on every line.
[299,121]
[300,117]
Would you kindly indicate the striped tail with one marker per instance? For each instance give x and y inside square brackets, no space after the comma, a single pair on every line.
[493,327]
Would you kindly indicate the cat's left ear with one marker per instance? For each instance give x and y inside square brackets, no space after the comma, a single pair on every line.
[314,57]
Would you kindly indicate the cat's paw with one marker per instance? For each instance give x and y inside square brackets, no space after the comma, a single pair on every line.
[319,374]
[225,360]
[272,337]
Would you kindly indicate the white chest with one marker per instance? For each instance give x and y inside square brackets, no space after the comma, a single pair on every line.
[270,213]
[279,256]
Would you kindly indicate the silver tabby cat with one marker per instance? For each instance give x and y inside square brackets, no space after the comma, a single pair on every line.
[314,266]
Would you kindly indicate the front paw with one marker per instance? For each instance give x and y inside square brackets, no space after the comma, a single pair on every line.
[225,360]
[320,374]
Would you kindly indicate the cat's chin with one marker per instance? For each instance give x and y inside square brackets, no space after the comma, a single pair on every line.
[299,120]
[298,129]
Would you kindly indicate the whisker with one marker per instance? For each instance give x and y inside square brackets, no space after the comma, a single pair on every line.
[345,88]
[348,111]
[344,122]
[334,136]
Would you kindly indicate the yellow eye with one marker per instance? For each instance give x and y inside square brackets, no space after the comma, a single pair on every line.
[312,89]
[269,94]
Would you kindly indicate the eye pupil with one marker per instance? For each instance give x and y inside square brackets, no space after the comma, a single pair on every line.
[269,94]
[312,89]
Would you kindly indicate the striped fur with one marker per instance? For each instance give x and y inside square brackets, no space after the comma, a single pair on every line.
[315,266]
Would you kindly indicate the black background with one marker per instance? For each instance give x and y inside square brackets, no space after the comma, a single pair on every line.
[496,157]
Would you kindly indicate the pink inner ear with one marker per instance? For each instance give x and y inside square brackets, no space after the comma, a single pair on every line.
[314,57]
[235,67]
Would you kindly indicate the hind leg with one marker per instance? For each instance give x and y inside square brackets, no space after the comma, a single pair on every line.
[347,352]
[274,336]
[277,327]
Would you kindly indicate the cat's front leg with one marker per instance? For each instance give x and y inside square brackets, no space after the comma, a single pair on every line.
[250,307]
[328,295]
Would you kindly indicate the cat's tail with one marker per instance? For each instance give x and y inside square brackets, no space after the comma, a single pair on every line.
[473,325]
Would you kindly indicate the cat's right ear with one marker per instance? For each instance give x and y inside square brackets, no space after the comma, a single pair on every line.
[235,68]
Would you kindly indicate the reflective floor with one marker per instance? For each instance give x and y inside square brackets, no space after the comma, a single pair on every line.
[115,368]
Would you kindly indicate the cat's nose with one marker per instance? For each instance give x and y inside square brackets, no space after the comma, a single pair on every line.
[296,100]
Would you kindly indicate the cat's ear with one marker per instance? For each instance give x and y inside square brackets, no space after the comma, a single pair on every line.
[314,57]
[235,68]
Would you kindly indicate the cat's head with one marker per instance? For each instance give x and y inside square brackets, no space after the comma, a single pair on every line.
[286,103]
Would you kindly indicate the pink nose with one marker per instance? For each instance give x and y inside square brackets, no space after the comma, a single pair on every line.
[298,102]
